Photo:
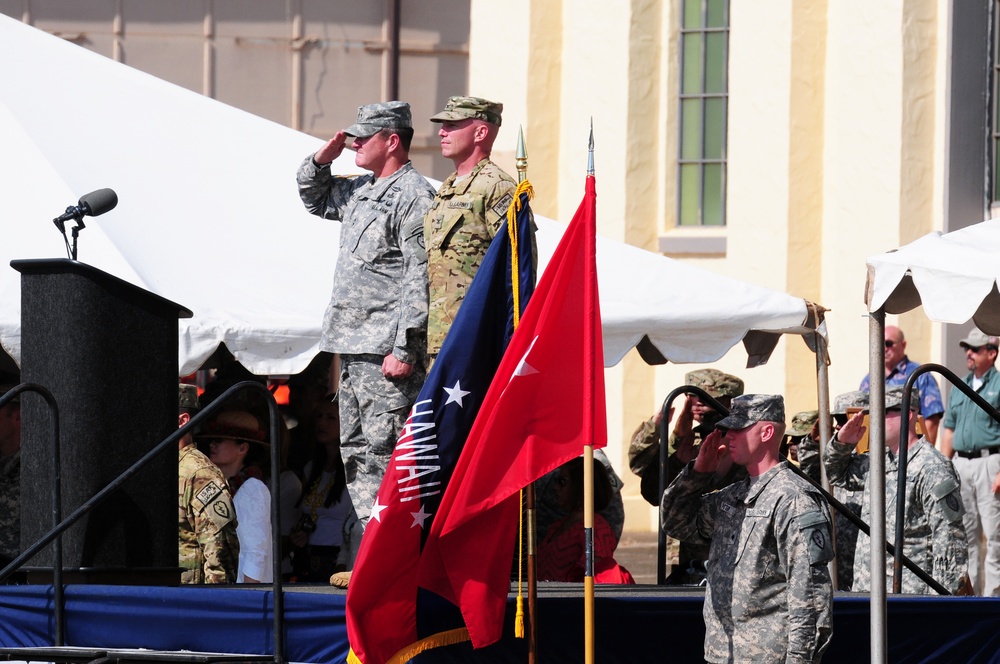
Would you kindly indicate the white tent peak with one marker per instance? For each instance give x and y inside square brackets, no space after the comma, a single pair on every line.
[953,275]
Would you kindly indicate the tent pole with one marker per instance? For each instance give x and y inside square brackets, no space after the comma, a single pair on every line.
[876,479]
[825,428]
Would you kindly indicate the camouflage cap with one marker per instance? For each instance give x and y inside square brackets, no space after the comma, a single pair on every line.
[715,382]
[749,409]
[856,399]
[373,118]
[803,423]
[187,396]
[464,108]
[894,398]
[977,339]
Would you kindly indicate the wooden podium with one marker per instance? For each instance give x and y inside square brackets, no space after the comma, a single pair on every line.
[107,350]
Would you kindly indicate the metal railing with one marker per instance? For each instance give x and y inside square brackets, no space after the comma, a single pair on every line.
[704,397]
[12,567]
[61,525]
[904,426]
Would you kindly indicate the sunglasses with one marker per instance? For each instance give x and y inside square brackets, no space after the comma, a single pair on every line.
[889,343]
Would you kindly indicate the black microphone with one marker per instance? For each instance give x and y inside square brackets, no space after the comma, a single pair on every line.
[93,204]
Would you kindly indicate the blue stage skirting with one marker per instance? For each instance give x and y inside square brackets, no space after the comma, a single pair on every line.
[644,624]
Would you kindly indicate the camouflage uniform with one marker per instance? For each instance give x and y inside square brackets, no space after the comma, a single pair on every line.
[458,229]
[466,215]
[845,532]
[209,548]
[769,596]
[808,452]
[379,301]
[933,534]
[687,558]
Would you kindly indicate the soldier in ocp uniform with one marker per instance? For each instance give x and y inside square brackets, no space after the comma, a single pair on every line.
[468,211]
[769,597]
[377,316]
[209,549]
[933,532]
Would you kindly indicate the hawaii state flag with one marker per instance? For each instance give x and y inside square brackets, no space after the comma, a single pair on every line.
[382,598]
[546,402]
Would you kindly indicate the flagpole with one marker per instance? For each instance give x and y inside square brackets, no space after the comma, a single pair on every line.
[521,161]
[588,447]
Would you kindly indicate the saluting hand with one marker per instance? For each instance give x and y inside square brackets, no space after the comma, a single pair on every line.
[852,432]
[711,453]
[331,150]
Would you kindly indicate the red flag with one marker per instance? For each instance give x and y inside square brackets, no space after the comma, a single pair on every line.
[545,403]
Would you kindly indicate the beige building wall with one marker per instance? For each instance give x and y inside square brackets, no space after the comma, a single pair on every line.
[835,153]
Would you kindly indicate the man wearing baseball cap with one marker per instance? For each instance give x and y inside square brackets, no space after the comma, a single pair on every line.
[468,210]
[933,534]
[972,438]
[377,317]
[769,594]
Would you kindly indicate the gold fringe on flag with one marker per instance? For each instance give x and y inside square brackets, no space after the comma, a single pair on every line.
[448,638]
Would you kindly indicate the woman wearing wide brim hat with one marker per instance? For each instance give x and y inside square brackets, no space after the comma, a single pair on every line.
[235,439]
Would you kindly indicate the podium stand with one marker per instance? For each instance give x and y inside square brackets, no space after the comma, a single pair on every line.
[107,350]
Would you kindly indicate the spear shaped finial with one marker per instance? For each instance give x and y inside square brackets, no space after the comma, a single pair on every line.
[521,157]
[590,156]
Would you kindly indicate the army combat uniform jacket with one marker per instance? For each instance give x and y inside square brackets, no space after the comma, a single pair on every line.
[465,216]
[933,532]
[379,300]
[209,549]
[769,596]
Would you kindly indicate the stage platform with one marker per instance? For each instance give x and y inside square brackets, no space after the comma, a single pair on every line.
[634,624]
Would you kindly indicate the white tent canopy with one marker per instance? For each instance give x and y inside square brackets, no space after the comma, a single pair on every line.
[953,275]
[209,217]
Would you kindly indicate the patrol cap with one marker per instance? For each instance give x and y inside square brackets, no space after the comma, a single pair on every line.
[715,382]
[749,409]
[476,108]
[894,398]
[187,396]
[237,425]
[977,339]
[373,118]
[803,423]
[856,399]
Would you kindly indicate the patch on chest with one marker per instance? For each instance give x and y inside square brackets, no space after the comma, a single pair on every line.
[758,512]
[461,205]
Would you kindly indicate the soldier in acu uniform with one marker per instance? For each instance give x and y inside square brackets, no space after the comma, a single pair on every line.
[377,316]
[933,531]
[209,549]
[769,596]
[469,209]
